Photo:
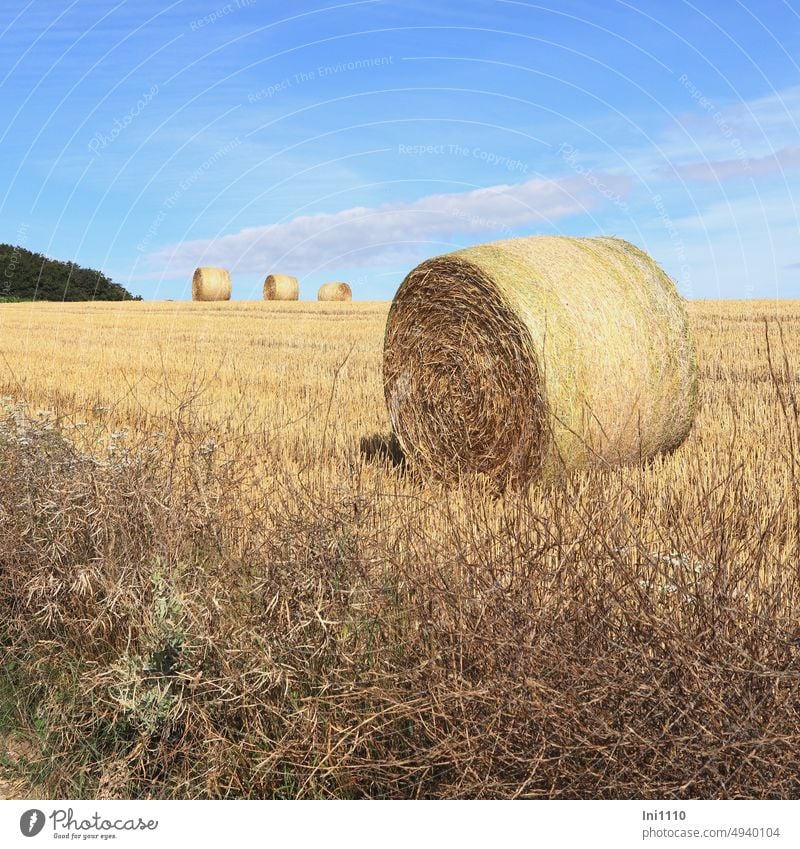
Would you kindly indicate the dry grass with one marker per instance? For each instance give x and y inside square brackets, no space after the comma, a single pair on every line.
[218,579]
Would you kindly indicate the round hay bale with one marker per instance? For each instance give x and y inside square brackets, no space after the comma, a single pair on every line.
[281,287]
[211,284]
[526,357]
[335,292]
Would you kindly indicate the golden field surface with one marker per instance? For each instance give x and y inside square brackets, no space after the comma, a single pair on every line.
[337,626]
[302,380]
[265,370]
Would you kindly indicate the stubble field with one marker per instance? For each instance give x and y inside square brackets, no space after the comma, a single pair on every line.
[218,578]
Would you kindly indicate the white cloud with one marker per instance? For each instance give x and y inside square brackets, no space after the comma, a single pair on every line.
[723,169]
[392,232]
[736,247]
[775,112]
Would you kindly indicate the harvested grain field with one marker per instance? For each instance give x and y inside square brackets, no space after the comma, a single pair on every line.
[205,515]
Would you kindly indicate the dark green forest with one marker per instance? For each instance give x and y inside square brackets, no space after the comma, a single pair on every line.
[28,276]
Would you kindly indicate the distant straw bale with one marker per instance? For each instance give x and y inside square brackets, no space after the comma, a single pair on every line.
[211,284]
[526,357]
[335,292]
[281,287]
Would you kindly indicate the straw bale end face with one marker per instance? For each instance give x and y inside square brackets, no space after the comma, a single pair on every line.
[281,287]
[463,392]
[526,357]
[211,284]
[335,292]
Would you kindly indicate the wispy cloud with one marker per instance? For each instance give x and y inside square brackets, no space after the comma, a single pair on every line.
[371,236]
[723,169]
[792,265]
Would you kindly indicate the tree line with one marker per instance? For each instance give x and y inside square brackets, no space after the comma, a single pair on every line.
[29,276]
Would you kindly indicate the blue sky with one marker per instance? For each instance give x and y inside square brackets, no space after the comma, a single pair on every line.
[350,141]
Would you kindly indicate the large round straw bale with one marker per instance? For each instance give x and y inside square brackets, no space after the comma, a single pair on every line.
[281,287]
[211,284]
[335,292]
[526,357]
